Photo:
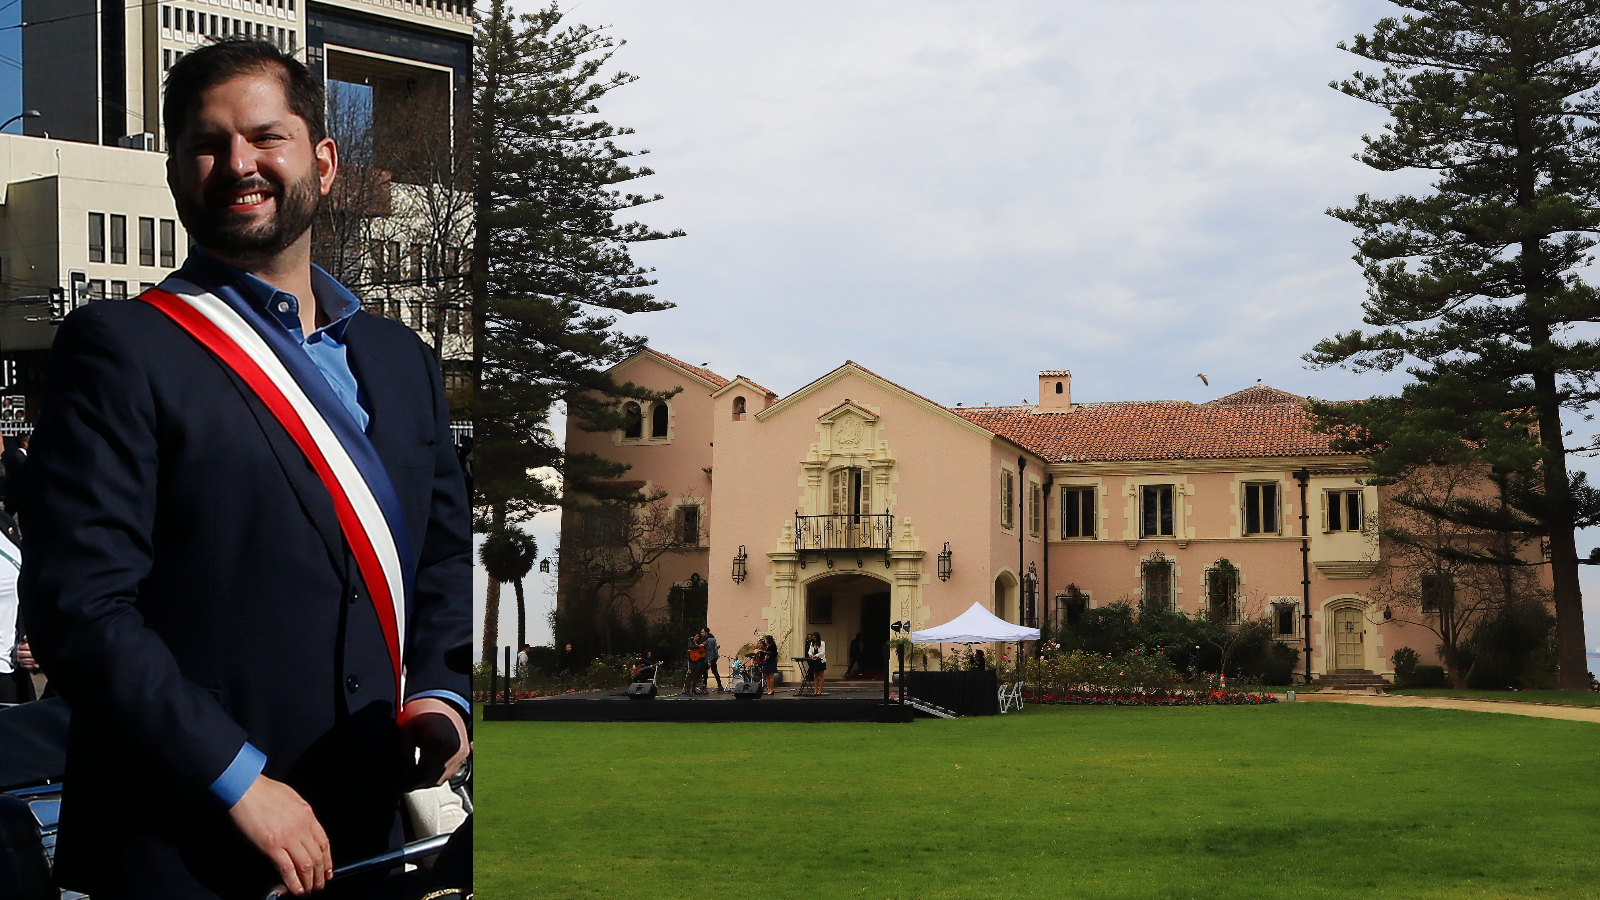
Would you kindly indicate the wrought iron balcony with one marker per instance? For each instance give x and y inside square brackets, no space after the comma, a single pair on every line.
[843,532]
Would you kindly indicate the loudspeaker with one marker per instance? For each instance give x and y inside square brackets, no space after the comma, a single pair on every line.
[745,691]
[642,690]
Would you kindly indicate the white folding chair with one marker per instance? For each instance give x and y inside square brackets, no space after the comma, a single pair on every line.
[1010,697]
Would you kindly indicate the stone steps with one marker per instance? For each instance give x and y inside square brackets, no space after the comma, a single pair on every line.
[1351,680]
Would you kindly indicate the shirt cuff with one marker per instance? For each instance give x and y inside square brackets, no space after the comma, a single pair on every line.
[452,697]
[240,774]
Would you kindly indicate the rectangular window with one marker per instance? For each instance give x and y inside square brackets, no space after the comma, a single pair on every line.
[1156,590]
[119,291]
[1008,499]
[97,237]
[1438,592]
[97,289]
[1222,592]
[166,60]
[145,286]
[689,525]
[189,19]
[1155,510]
[169,243]
[1071,604]
[1261,509]
[1035,509]
[1283,619]
[119,239]
[147,241]
[166,17]
[1077,512]
[1344,510]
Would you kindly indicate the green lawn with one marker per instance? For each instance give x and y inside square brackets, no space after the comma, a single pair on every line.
[1558,698]
[1301,800]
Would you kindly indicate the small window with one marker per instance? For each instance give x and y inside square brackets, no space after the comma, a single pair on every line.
[1058,387]
[1156,585]
[169,243]
[1344,510]
[1283,619]
[119,239]
[119,291]
[97,289]
[166,17]
[738,409]
[97,237]
[1008,499]
[1222,592]
[1077,512]
[147,241]
[189,19]
[1438,592]
[1071,604]
[1155,510]
[1035,509]
[689,525]
[658,421]
[1261,508]
[632,421]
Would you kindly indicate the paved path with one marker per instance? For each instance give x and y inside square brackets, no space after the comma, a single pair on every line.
[1539,710]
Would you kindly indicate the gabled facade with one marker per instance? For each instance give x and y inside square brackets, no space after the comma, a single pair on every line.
[842,496]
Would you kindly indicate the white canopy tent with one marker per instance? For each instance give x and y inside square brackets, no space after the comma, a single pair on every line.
[975,626]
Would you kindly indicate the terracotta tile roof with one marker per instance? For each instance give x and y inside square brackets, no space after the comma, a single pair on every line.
[1258,395]
[1256,422]
[707,374]
[760,387]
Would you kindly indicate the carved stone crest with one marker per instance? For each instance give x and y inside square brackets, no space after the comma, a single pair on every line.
[847,431]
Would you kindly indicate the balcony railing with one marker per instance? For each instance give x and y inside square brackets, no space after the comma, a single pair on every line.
[846,532]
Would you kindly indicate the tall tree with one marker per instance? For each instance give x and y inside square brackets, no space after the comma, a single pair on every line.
[551,265]
[1474,287]
[508,556]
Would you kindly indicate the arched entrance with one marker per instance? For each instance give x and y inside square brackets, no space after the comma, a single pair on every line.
[1346,639]
[1005,597]
[850,611]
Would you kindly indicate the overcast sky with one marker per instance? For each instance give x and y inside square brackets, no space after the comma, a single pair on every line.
[957,195]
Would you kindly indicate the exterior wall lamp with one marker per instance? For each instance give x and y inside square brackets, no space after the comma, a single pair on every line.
[739,565]
[944,562]
[1030,597]
[544,565]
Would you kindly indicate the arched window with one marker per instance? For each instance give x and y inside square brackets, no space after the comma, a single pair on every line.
[632,421]
[658,421]
[738,409]
[1058,387]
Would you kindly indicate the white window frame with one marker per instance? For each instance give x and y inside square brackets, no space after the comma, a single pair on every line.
[1276,507]
[1342,505]
[1082,490]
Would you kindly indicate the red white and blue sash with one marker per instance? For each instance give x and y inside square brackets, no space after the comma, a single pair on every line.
[346,462]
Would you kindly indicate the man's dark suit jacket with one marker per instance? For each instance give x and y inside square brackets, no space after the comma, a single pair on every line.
[189,589]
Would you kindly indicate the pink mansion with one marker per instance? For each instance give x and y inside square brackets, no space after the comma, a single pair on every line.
[853,502]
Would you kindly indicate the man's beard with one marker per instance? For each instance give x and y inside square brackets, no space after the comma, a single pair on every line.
[233,236]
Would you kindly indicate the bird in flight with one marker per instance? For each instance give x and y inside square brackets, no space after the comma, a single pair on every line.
[1203,380]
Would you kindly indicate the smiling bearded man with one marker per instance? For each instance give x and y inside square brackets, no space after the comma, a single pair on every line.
[248,543]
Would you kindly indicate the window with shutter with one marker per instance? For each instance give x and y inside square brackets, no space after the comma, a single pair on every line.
[839,489]
[1008,499]
[1035,509]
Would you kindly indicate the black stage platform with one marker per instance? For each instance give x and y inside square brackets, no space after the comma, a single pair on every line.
[820,709]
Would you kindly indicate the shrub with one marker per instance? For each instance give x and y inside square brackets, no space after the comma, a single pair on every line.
[1405,666]
[1428,677]
[1079,671]
[1279,665]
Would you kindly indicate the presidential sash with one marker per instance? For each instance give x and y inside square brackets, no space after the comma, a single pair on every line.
[343,458]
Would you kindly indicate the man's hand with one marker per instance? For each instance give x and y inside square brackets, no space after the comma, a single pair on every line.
[434,727]
[25,657]
[282,826]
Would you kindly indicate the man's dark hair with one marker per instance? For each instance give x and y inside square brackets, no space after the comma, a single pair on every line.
[227,59]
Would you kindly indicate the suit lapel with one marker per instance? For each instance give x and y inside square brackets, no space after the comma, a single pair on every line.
[308,489]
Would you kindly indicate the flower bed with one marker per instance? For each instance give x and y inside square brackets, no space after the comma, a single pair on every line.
[1149,698]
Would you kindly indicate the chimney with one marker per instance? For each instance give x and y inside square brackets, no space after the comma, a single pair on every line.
[1055,391]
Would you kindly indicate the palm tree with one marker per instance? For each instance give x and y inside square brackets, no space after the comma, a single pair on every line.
[508,555]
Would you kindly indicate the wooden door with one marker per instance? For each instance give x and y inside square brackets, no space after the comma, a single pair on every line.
[1349,638]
